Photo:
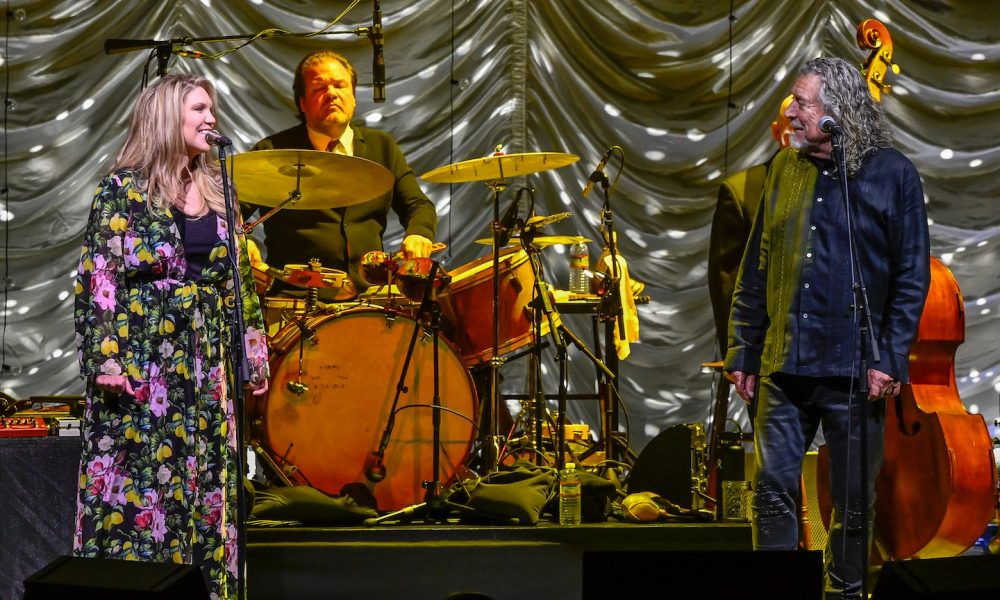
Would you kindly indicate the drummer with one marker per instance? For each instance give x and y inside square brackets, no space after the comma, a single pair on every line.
[325,89]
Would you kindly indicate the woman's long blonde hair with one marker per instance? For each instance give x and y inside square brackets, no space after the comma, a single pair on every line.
[155,146]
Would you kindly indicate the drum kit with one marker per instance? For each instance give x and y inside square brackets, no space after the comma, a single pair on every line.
[333,414]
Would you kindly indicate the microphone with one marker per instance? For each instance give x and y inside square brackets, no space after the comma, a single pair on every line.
[214,137]
[596,175]
[374,469]
[509,219]
[378,59]
[119,46]
[828,124]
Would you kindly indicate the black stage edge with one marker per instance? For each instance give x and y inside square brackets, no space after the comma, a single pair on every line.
[431,562]
[747,575]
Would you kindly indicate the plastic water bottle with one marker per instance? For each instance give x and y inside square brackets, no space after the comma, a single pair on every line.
[569,495]
[579,261]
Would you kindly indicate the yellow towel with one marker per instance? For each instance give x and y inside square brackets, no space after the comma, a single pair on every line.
[630,317]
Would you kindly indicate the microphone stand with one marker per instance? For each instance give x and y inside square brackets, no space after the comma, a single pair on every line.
[610,311]
[866,340]
[240,369]
[434,506]
[163,49]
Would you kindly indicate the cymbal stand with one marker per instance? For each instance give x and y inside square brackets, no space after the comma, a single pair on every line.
[490,447]
[434,505]
[545,312]
[293,197]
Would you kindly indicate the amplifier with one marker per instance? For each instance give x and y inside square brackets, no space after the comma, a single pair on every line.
[23,427]
[675,466]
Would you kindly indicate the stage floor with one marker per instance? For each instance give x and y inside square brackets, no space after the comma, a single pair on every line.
[432,561]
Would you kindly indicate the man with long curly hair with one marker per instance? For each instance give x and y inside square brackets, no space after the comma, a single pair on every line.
[794,341]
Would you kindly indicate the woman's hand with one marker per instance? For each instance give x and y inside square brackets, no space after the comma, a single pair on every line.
[259,388]
[115,384]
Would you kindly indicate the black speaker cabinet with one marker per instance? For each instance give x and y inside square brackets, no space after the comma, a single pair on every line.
[974,577]
[674,465]
[703,574]
[76,578]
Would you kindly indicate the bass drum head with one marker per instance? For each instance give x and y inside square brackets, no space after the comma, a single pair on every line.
[323,434]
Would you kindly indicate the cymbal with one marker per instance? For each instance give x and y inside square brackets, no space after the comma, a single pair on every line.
[326,180]
[491,168]
[539,221]
[544,241]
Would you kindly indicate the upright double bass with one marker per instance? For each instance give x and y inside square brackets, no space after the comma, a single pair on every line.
[937,488]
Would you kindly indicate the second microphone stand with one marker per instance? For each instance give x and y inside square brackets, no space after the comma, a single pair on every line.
[434,506]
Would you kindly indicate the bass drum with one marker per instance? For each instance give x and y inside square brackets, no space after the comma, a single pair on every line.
[320,423]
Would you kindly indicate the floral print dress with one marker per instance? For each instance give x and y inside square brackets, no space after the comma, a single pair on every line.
[158,473]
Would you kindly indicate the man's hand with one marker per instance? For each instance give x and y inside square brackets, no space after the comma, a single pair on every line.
[416,246]
[881,385]
[746,384]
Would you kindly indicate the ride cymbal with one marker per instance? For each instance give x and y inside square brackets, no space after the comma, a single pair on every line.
[503,166]
[323,179]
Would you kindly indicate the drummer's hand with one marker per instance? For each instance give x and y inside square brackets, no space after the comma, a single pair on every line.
[259,388]
[253,253]
[114,383]
[416,246]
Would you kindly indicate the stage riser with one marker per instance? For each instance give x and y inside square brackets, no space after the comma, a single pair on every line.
[416,572]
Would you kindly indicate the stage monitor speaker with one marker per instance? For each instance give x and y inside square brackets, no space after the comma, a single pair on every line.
[973,577]
[743,574]
[674,465]
[74,577]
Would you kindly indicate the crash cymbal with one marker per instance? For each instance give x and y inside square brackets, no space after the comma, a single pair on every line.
[325,179]
[490,168]
[543,241]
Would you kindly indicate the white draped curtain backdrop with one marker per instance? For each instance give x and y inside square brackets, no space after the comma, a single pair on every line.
[686,87]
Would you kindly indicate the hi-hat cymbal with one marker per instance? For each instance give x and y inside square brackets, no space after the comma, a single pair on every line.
[543,241]
[539,221]
[325,179]
[490,168]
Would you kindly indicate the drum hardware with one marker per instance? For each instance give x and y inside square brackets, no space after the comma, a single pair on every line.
[544,302]
[322,180]
[312,276]
[280,472]
[494,171]
[434,505]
